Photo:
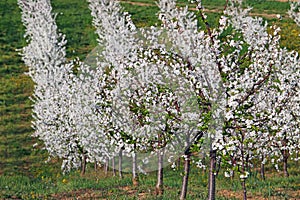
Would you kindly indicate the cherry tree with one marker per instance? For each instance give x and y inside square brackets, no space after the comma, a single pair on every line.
[171,104]
[52,74]
[64,103]
[200,51]
[84,116]
[260,89]
[116,33]
[281,111]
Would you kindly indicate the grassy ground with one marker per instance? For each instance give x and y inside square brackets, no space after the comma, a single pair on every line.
[23,171]
[49,183]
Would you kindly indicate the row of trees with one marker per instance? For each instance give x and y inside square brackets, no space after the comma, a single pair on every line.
[165,92]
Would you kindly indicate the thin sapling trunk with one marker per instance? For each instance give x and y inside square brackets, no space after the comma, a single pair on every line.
[187,163]
[120,163]
[135,180]
[212,175]
[159,189]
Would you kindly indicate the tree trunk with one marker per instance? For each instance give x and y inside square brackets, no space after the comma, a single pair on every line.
[204,158]
[262,171]
[135,180]
[262,168]
[95,165]
[159,189]
[247,164]
[120,163]
[212,176]
[285,163]
[244,189]
[106,166]
[178,163]
[187,162]
[113,166]
[285,155]
[83,165]
[244,179]
[244,165]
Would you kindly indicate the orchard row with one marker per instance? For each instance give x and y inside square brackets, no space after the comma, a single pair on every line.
[155,94]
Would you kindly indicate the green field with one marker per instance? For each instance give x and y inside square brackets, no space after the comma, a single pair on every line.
[23,171]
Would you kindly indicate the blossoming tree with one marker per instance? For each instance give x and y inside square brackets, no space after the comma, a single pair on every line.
[51,73]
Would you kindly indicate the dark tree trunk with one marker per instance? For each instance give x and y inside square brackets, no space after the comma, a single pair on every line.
[212,176]
[285,155]
[83,165]
[247,164]
[178,163]
[244,189]
[120,163]
[159,189]
[285,163]
[187,163]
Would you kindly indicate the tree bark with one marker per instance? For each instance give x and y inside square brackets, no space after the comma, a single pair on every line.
[187,163]
[83,164]
[106,166]
[244,179]
[212,176]
[244,165]
[285,163]
[262,171]
[135,180]
[285,155]
[178,163]
[159,189]
[113,166]
[120,163]
[244,189]
[95,165]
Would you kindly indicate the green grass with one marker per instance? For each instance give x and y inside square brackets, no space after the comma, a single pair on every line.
[23,171]
[142,16]
[75,21]
[259,6]
[49,183]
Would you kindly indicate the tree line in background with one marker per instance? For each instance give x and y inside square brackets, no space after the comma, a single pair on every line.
[161,93]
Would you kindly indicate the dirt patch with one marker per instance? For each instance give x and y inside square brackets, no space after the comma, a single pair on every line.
[276,194]
[130,191]
[100,194]
[81,195]
[238,195]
